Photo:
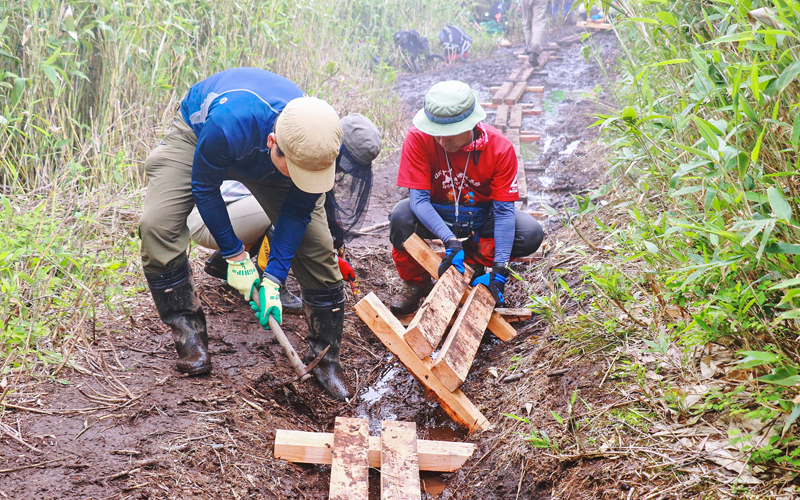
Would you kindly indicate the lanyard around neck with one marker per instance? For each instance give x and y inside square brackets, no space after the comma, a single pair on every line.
[453,178]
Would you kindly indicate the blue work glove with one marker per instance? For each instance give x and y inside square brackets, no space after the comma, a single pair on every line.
[453,256]
[269,302]
[495,281]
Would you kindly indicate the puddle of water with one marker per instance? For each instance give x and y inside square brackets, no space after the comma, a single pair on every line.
[530,150]
[431,484]
[381,387]
[570,148]
[547,141]
[546,181]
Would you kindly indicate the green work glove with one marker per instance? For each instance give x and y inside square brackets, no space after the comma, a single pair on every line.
[269,298]
[242,275]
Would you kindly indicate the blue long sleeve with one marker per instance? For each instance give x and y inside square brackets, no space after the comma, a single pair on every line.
[289,230]
[420,202]
[504,226]
[232,113]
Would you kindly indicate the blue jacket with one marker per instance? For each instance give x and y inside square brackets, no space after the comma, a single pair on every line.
[232,113]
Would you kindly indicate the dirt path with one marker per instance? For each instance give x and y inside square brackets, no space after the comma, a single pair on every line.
[127,426]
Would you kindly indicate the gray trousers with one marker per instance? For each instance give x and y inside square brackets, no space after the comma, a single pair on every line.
[169,201]
[534,17]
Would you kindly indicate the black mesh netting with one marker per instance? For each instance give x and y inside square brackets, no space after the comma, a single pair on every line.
[348,205]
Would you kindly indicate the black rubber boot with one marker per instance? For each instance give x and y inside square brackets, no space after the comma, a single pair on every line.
[179,307]
[217,266]
[407,301]
[325,313]
[290,302]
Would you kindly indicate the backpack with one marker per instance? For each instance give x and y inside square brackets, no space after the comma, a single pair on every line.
[411,42]
[455,42]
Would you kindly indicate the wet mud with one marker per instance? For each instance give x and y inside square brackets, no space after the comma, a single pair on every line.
[127,425]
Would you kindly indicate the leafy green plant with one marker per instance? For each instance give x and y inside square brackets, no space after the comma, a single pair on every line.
[536,438]
[705,157]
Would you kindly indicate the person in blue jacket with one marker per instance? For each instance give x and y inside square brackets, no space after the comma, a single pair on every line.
[255,127]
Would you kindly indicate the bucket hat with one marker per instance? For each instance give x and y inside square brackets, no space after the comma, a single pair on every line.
[310,135]
[451,108]
[361,138]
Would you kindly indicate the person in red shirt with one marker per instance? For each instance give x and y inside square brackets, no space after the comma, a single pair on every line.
[462,181]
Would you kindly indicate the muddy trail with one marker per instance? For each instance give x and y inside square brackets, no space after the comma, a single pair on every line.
[120,422]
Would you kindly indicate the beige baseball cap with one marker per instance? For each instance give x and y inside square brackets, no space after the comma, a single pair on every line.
[310,135]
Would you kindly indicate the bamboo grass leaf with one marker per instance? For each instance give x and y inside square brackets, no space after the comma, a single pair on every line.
[779,205]
[787,76]
[783,248]
[708,132]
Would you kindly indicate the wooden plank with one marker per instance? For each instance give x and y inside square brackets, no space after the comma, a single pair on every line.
[501,118]
[428,326]
[516,73]
[543,58]
[515,315]
[516,93]
[316,448]
[594,25]
[569,40]
[525,74]
[522,181]
[389,330]
[537,89]
[489,105]
[530,138]
[350,460]
[423,254]
[513,136]
[428,259]
[500,95]
[531,112]
[509,314]
[516,117]
[399,464]
[458,351]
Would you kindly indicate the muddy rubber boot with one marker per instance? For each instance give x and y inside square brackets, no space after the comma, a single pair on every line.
[533,59]
[217,266]
[407,301]
[325,313]
[290,302]
[179,307]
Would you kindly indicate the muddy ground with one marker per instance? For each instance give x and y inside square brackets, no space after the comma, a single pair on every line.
[126,425]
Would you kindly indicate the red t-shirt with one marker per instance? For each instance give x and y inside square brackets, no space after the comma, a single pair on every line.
[423,165]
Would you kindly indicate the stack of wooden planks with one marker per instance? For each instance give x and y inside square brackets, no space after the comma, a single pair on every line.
[414,345]
[351,451]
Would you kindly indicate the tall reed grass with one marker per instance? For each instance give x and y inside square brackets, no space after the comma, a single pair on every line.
[88,88]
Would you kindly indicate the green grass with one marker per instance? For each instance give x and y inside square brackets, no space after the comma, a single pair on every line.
[88,88]
[705,207]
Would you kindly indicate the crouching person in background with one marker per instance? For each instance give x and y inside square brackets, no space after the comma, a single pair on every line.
[462,177]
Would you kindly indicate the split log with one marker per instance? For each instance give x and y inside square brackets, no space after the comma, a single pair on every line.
[350,460]
[399,463]
[429,324]
[458,351]
[500,95]
[428,259]
[316,448]
[389,330]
